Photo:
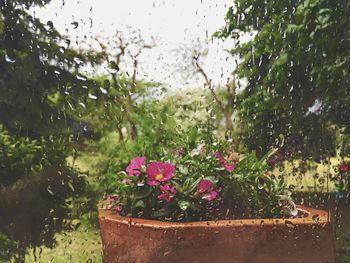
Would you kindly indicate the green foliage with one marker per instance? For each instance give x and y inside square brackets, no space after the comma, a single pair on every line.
[42,92]
[6,247]
[106,105]
[297,69]
[240,187]
[23,157]
[35,68]
[157,132]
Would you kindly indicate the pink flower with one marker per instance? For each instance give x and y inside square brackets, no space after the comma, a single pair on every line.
[135,166]
[228,167]
[111,203]
[200,150]
[219,157]
[205,187]
[159,172]
[167,192]
[112,198]
[126,181]
[343,167]
[223,162]
[210,196]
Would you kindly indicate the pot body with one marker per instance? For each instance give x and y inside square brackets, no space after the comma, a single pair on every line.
[132,240]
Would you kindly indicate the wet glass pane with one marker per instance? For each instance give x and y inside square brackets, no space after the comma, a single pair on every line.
[174,131]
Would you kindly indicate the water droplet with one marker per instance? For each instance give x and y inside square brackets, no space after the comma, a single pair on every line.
[81,77]
[91,96]
[82,104]
[90,19]
[9,59]
[289,224]
[75,24]
[291,187]
[113,68]
[67,41]
[316,218]
[261,183]
[78,61]
[49,26]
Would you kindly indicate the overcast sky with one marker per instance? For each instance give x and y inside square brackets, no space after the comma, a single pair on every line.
[173,22]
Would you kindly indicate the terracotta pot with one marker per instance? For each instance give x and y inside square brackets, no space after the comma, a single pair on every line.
[308,238]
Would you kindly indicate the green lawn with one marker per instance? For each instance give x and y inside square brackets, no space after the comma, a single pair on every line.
[81,246]
[315,179]
[84,244]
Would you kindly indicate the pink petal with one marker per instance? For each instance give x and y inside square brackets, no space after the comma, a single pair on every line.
[229,167]
[135,166]
[204,185]
[211,196]
[219,156]
[152,182]
[155,168]
[164,187]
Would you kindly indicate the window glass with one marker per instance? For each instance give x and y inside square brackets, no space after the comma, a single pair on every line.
[228,113]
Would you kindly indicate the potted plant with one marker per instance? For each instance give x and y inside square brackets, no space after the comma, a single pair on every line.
[209,204]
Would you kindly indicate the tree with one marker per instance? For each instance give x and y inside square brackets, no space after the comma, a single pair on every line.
[297,71]
[117,52]
[41,92]
[192,63]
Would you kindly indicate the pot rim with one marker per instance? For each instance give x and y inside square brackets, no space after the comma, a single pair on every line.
[311,216]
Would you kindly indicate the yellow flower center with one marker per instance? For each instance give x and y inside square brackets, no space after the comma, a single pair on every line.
[159,177]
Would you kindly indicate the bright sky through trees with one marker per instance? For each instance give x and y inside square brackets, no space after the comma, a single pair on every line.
[173,22]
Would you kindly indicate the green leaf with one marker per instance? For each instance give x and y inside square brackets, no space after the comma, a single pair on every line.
[158,213]
[184,205]
[71,186]
[141,193]
[194,185]
[282,60]
[139,204]
[292,28]
[50,191]
[268,155]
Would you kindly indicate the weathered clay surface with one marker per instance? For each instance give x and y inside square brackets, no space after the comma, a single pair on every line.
[305,239]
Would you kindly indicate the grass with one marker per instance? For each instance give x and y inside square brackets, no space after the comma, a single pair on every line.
[83,245]
[314,179]
[80,246]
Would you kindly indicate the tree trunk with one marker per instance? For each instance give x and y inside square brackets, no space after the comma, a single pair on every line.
[134,131]
[120,133]
[129,113]
[228,120]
